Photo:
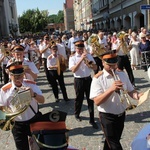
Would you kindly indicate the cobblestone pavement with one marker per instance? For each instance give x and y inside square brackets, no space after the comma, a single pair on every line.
[81,134]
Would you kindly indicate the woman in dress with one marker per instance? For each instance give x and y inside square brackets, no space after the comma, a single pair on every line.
[135,51]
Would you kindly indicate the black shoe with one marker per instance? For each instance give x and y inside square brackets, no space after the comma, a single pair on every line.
[56,100]
[94,125]
[67,99]
[78,119]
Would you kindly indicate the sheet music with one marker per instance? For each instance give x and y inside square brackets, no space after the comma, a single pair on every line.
[21,99]
[144,97]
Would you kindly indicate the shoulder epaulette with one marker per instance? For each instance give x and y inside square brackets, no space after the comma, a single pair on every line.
[72,54]
[7,86]
[98,74]
[29,81]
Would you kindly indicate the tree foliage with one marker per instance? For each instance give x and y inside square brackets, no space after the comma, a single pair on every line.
[34,20]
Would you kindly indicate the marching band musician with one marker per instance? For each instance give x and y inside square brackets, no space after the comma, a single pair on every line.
[45,52]
[82,80]
[30,69]
[54,63]
[21,129]
[105,92]
[4,58]
[123,59]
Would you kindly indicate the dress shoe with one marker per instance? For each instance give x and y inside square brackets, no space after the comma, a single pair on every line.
[94,125]
[67,99]
[56,100]
[78,119]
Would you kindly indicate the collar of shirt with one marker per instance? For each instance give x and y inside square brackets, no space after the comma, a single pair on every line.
[106,74]
[77,55]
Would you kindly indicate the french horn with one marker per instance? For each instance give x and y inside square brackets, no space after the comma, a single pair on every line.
[20,101]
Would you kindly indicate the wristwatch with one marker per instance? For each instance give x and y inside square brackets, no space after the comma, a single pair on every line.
[34,94]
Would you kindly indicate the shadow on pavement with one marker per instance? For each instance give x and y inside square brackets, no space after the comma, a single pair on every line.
[138,117]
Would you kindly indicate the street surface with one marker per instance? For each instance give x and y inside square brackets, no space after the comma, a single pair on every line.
[81,134]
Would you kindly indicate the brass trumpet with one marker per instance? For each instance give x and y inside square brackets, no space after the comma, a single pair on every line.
[123,95]
[88,62]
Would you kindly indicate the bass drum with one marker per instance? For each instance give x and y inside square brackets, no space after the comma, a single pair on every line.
[50,131]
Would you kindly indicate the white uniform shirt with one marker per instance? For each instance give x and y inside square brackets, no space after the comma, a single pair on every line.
[32,66]
[71,45]
[51,61]
[102,83]
[46,53]
[6,96]
[26,49]
[103,41]
[5,60]
[62,50]
[83,70]
[120,52]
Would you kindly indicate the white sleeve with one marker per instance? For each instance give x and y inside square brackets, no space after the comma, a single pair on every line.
[96,88]
[71,62]
[33,68]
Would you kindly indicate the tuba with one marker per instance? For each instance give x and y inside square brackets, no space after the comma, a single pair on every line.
[123,95]
[19,102]
[97,48]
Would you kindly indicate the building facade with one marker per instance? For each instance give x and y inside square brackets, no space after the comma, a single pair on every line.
[111,14]
[83,14]
[8,18]
[69,15]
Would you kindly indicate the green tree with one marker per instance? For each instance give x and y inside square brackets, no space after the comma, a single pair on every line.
[34,20]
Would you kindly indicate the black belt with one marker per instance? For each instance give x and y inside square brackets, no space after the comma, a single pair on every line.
[84,78]
[112,115]
[122,55]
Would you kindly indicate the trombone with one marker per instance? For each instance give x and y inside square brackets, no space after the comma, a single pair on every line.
[123,95]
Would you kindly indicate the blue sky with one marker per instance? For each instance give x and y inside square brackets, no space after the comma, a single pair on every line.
[53,6]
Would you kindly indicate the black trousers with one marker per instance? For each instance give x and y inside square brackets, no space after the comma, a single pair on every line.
[54,77]
[82,86]
[99,64]
[44,61]
[5,75]
[123,62]
[21,131]
[112,126]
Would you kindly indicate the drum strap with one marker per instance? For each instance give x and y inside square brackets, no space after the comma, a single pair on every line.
[32,109]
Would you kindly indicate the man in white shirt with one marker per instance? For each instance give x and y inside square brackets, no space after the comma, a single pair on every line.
[105,91]
[71,41]
[30,69]
[29,110]
[82,80]
[45,52]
